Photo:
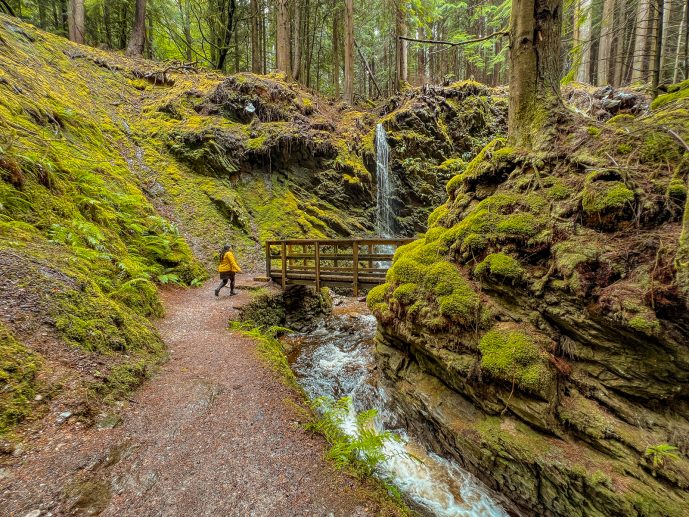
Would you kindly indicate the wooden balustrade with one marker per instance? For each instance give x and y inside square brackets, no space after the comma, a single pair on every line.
[355,263]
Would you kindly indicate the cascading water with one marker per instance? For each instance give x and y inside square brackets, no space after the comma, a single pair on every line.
[336,360]
[384,213]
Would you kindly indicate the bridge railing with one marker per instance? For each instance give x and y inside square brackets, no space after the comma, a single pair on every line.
[354,263]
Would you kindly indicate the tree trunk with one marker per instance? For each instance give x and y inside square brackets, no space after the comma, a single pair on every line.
[644,22]
[401,45]
[137,40]
[682,27]
[658,54]
[665,28]
[296,40]
[283,50]
[607,30]
[582,19]
[76,21]
[349,52]
[336,51]
[535,65]
[255,31]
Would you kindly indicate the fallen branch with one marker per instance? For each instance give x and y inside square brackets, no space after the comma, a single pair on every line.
[678,138]
[503,32]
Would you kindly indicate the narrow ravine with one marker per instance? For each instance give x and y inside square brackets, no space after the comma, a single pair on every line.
[337,360]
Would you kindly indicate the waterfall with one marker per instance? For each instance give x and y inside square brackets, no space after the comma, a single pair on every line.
[384,212]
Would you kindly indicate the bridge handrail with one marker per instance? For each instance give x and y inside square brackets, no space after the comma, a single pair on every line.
[309,265]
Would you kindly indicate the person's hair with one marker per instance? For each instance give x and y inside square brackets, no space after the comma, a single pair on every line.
[224,250]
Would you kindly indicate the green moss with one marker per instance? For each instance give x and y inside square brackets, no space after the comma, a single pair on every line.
[648,324]
[490,162]
[123,379]
[677,92]
[140,294]
[510,354]
[18,369]
[585,416]
[659,146]
[625,148]
[593,131]
[406,294]
[621,120]
[436,217]
[602,196]
[376,297]
[499,265]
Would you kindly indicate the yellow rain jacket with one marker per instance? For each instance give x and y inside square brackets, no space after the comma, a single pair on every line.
[228,264]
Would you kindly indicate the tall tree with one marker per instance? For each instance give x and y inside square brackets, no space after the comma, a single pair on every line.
[582,25]
[76,20]
[535,69]
[283,48]
[336,49]
[349,51]
[401,45]
[644,24]
[137,40]
[256,59]
[605,47]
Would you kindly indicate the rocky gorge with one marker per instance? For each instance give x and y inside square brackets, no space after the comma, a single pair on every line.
[535,332]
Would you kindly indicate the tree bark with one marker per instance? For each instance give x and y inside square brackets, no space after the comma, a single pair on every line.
[255,31]
[336,50]
[605,54]
[682,28]
[658,54]
[349,52]
[297,40]
[283,50]
[535,67]
[76,21]
[644,22]
[137,40]
[665,28]
[401,52]
[582,20]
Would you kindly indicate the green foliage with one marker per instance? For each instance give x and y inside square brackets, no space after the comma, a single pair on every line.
[362,450]
[123,379]
[18,369]
[676,92]
[661,453]
[140,294]
[269,348]
[513,355]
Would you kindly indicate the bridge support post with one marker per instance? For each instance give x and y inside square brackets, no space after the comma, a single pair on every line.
[318,265]
[355,256]
[268,260]
[283,256]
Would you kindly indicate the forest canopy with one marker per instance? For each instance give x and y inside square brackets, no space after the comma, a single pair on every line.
[370,50]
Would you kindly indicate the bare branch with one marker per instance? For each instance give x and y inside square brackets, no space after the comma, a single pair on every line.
[503,32]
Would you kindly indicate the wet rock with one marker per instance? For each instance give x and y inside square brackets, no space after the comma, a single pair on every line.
[63,417]
[109,421]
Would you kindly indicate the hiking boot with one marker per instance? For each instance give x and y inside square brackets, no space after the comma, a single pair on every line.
[217,292]
[232,293]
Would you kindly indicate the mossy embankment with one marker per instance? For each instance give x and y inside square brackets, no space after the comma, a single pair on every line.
[549,295]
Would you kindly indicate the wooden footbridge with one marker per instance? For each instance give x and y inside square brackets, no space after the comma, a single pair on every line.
[355,263]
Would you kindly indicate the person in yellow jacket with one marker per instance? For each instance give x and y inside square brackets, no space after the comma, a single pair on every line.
[227,268]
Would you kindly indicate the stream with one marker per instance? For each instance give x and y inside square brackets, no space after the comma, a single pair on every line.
[337,360]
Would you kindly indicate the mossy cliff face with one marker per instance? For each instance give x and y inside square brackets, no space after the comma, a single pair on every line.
[433,133]
[540,327]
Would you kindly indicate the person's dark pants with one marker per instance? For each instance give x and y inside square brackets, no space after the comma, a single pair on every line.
[224,278]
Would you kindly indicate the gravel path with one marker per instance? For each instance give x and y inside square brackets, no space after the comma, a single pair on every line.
[213,433]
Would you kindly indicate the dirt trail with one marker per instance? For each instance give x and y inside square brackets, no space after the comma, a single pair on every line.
[210,434]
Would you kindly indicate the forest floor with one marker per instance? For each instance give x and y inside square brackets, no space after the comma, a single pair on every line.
[214,432]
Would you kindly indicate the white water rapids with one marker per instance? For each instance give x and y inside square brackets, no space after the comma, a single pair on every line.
[336,360]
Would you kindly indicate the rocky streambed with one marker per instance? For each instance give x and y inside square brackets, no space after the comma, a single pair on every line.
[337,359]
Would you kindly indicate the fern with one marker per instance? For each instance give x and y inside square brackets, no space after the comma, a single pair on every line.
[361,451]
[661,453]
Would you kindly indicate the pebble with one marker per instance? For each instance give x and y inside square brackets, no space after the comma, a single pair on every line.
[62,417]
[33,513]
[38,397]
